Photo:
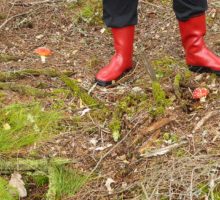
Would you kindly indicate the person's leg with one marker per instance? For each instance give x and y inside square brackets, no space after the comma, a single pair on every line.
[120,13]
[186,9]
[192,25]
[121,17]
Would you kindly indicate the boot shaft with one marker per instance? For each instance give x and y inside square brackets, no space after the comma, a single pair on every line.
[123,41]
[192,33]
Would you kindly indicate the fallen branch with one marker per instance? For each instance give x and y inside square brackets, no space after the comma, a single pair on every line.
[164,150]
[23,89]
[30,165]
[13,75]
[149,142]
[38,2]
[152,128]
[205,119]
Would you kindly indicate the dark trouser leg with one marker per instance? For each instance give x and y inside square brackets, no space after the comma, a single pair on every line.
[185,9]
[120,13]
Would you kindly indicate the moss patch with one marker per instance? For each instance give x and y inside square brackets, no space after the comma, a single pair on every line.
[160,101]
[89,11]
[129,105]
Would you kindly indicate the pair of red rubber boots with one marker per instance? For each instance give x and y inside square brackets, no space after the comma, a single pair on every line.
[198,57]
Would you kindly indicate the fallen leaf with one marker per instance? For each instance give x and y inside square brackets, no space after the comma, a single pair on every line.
[108,183]
[17,182]
[83,112]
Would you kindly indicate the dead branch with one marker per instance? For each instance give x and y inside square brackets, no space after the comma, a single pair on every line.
[149,142]
[14,75]
[23,89]
[30,165]
[164,150]
[37,3]
[143,131]
[205,119]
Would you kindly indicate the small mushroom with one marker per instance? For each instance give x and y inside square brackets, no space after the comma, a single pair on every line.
[200,94]
[43,52]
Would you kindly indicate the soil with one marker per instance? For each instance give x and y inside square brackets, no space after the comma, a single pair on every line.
[83,48]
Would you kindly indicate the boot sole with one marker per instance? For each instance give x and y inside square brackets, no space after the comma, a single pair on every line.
[200,70]
[108,83]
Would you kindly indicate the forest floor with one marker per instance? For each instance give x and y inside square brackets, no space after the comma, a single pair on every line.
[138,139]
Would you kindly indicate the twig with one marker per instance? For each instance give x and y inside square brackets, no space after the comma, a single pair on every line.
[144,191]
[150,70]
[164,150]
[205,119]
[114,147]
[36,3]
[15,16]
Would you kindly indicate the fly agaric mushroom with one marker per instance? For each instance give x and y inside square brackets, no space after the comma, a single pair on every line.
[43,52]
[200,94]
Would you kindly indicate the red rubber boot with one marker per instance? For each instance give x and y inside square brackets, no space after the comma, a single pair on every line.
[199,58]
[122,60]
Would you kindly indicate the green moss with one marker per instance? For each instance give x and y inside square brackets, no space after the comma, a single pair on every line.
[187,75]
[2,16]
[132,103]
[92,62]
[24,89]
[99,111]
[100,114]
[176,85]
[160,101]
[89,12]
[7,58]
[115,127]
[31,165]
[2,96]
[165,2]
[177,80]
[180,153]
[173,138]
[210,20]
[205,190]
[80,92]
[129,105]
[164,66]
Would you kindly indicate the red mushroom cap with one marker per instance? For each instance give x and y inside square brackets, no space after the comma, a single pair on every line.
[198,93]
[43,51]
